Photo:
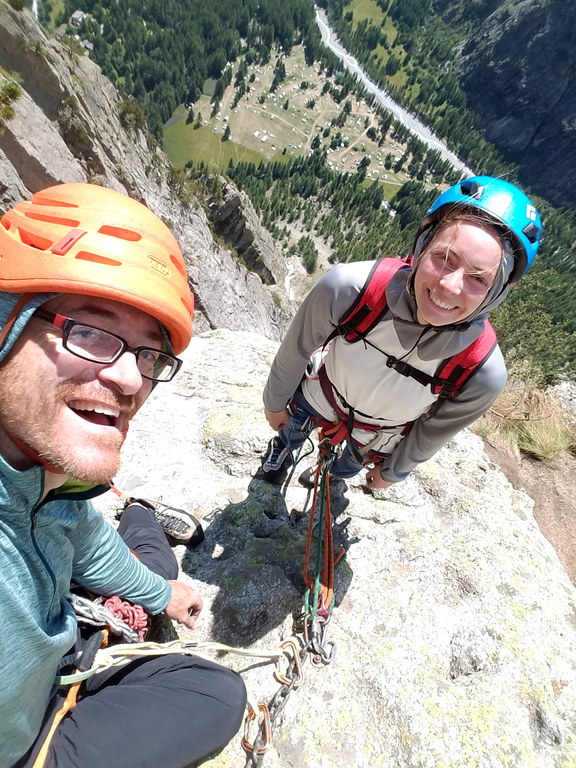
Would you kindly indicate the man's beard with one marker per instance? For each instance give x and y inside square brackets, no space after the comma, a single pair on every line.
[74,465]
[88,458]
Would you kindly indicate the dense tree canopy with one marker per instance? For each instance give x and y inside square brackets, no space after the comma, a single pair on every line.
[162,51]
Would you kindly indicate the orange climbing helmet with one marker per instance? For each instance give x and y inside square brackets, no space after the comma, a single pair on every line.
[84,239]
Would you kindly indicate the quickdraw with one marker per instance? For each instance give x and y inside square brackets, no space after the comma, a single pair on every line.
[268,714]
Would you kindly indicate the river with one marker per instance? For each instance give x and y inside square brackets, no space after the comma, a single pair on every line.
[412,123]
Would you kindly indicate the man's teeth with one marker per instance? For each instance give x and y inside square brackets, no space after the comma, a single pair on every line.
[105,410]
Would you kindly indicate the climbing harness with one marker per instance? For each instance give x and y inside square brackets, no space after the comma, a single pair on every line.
[96,641]
[369,308]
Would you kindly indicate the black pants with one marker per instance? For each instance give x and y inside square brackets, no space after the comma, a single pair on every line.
[162,712]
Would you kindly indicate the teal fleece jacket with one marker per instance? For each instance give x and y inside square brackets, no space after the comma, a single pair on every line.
[42,549]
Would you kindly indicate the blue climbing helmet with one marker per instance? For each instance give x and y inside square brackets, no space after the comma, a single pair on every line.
[509,206]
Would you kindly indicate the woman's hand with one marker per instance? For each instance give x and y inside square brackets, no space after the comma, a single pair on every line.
[277,419]
[374,478]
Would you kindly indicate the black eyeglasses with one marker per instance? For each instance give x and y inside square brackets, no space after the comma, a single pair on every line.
[103,347]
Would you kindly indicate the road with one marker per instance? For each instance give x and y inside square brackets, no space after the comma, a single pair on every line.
[412,123]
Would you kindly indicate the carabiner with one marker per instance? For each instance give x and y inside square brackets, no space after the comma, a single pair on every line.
[264,727]
[293,657]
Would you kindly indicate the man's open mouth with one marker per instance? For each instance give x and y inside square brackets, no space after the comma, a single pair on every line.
[96,413]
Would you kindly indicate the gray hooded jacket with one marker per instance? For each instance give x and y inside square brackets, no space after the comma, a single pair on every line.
[359,373]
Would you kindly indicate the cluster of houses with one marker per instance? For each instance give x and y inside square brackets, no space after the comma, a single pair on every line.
[76,20]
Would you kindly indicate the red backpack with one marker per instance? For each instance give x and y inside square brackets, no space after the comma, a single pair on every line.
[368,310]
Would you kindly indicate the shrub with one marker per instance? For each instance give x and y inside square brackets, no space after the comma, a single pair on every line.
[131,114]
[9,92]
[531,419]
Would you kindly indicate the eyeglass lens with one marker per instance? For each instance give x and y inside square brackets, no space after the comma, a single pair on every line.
[104,347]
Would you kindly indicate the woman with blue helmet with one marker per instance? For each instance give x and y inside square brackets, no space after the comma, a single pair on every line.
[387,393]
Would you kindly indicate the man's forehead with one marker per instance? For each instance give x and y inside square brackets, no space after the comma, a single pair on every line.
[93,307]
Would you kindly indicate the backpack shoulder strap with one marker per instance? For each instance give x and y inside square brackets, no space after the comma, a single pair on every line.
[456,370]
[370,304]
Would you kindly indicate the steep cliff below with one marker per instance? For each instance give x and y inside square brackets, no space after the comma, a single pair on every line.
[70,124]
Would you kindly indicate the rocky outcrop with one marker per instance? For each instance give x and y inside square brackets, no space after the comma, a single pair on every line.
[70,124]
[235,219]
[454,622]
[519,73]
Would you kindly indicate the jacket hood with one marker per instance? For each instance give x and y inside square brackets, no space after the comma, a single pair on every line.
[18,316]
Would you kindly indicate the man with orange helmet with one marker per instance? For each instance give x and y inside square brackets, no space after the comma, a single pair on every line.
[94,308]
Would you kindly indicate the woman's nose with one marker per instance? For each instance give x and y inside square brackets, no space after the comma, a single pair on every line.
[453,281]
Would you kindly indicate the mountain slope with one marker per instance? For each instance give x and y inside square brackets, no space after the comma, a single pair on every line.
[524,52]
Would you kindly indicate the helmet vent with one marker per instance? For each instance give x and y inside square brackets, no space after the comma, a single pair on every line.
[472,189]
[72,223]
[34,240]
[98,259]
[119,232]
[532,232]
[179,266]
[41,199]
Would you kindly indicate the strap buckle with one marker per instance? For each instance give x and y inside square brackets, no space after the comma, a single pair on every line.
[404,369]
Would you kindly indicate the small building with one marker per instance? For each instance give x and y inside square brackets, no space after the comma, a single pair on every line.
[78,17]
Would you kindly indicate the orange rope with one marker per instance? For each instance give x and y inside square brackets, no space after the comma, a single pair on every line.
[326,575]
[69,703]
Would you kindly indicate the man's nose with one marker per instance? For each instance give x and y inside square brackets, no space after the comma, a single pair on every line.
[124,373]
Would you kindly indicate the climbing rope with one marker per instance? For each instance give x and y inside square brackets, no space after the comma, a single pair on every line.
[318,604]
[123,619]
[319,595]
[123,653]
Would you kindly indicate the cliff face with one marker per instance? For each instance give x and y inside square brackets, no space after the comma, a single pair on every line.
[519,72]
[70,124]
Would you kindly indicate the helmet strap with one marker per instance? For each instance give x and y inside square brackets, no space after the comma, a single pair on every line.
[32,454]
[16,309]
[422,241]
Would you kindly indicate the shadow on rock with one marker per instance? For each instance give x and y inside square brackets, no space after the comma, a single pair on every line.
[254,552]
